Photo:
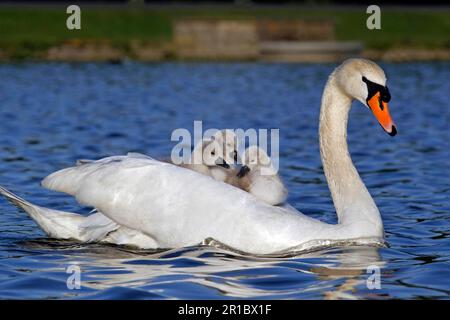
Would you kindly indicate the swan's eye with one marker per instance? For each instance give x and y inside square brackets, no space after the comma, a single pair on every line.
[213,153]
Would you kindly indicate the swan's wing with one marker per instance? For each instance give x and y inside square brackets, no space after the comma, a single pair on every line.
[130,237]
[288,207]
[135,155]
[141,194]
[71,179]
[179,207]
[96,226]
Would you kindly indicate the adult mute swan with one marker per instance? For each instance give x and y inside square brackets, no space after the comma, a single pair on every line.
[173,207]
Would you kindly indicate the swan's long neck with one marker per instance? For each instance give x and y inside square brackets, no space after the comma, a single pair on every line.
[351,199]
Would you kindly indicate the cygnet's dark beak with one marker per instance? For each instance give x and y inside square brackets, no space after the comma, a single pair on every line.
[244,170]
[222,163]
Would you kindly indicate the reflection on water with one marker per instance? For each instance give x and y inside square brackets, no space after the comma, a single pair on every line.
[53,114]
[201,271]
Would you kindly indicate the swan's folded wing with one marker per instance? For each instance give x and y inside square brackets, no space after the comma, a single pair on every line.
[130,237]
[71,179]
[96,226]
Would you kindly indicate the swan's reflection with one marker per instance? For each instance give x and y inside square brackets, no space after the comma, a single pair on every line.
[353,263]
[338,273]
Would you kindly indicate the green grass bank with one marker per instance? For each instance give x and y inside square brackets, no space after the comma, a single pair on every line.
[27,32]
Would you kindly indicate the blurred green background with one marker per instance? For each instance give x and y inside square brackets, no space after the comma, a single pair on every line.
[28,31]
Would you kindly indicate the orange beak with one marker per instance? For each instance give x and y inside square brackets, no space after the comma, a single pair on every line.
[380,110]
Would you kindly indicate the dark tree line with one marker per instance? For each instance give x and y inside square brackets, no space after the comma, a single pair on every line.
[244,2]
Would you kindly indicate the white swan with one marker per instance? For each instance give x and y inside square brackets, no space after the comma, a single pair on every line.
[174,207]
[259,178]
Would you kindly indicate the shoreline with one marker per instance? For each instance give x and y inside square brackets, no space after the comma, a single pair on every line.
[222,33]
[105,52]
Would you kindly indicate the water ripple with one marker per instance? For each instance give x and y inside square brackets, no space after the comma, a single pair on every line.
[55,113]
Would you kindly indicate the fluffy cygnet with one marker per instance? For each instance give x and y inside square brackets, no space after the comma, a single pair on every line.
[259,177]
[213,157]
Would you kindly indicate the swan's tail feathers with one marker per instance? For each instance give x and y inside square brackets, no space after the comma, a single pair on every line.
[15,200]
[56,224]
[64,225]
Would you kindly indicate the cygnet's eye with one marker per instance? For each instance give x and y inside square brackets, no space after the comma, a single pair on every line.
[213,153]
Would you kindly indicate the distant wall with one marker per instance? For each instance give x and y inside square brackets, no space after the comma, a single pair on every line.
[295,30]
[216,39]
[250,39]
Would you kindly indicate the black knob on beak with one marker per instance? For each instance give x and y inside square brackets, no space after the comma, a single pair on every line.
[222,163]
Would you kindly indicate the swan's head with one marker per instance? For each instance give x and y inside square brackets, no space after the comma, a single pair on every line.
[256,160]
[219,150]
[365,81]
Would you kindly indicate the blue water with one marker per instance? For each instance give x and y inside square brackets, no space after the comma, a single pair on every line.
[53,114]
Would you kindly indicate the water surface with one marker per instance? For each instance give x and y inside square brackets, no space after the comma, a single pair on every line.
[54,113]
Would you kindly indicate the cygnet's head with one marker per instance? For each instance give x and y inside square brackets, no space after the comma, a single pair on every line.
[265,184]
[220,150]
[226,139]
[365,81]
